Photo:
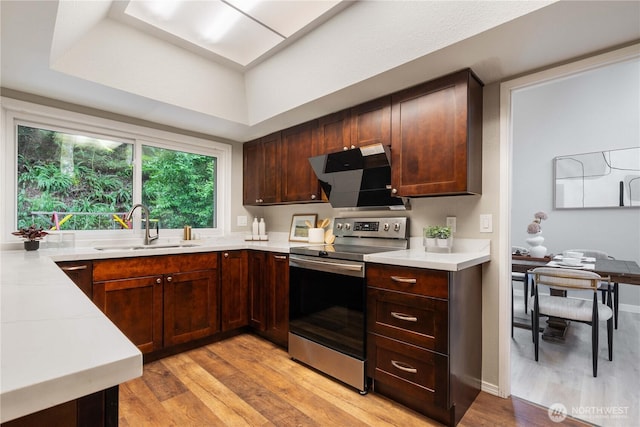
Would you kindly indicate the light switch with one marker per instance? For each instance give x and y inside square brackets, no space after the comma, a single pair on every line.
[486,223]
[241,221]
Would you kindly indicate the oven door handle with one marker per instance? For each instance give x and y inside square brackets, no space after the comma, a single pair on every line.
[328,266]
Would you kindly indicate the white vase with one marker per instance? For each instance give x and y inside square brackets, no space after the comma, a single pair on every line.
[536,249]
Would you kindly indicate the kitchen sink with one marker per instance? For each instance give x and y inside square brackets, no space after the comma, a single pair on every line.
[140,247]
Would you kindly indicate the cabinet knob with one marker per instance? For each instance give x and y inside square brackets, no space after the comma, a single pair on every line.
[257,200]
[353,146]
[345,148]
[313,197]
[394,191]
[261,200]
[158,280]
[226,255]
[169,279]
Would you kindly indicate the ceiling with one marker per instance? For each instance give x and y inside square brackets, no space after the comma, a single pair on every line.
[82,53]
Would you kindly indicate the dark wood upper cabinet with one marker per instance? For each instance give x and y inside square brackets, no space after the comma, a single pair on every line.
[261,170]
[436,141]
[371,123]
[299,182]
[334,132]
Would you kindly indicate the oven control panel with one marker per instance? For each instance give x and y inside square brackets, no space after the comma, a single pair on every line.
[393,227]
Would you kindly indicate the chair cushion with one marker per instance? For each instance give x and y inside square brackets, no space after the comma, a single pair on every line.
[570,308]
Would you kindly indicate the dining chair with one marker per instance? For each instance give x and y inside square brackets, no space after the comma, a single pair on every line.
[603,287]
[520,277]
[590,311]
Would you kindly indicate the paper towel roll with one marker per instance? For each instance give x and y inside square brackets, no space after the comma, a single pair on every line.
[316,235]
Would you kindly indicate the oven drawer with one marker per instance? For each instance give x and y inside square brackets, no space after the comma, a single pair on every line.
[407,373]
[432,283]
[418,320]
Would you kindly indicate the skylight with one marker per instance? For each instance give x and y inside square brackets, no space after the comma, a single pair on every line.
[239,30]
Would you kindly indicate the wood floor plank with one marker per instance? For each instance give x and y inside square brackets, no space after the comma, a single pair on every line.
[270,404]
[371,409]
[246,380]
[161,382]
[311,404]
[227,406]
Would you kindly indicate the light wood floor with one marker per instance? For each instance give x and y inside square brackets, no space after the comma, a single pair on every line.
[563,373]
[247,381]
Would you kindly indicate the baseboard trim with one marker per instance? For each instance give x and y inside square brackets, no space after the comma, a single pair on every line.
[491,389]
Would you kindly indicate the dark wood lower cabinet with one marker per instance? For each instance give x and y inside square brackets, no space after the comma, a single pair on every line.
[81,272]
[269,298]
[99,409]
[234,285]
[160,301]
[135,307]
[424,343]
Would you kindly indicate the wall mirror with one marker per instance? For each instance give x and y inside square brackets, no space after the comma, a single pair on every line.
[601,179]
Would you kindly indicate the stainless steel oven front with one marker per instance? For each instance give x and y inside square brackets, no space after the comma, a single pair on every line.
[327,302]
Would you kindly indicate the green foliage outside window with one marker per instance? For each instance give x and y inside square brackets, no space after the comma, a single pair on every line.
[178,187]
[93,179]
[60,172]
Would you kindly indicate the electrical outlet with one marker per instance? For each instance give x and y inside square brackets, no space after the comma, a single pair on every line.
[486,223]
[241,221]
[451,223]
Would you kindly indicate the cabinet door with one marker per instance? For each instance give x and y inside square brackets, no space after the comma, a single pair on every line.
[334,132]
[299,183]
[278,308]
[371,123]
[430,137]
[81,273]
[261,172]
[253,172]
[135,307]
[234,293]
[190,306]
[258,288]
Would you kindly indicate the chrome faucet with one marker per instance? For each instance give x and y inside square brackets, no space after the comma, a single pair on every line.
[147,237]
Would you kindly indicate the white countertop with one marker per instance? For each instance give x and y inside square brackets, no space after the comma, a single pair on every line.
[464,254]
[56,345]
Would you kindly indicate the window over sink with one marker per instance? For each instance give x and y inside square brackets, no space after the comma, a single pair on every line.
[83,176]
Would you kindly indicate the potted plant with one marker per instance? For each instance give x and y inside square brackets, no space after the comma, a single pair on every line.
[430,235]
[442,237]
[32,236]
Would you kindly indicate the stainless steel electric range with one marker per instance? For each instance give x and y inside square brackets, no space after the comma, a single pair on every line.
[327,296]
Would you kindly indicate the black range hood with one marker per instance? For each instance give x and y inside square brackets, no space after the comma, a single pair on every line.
[358,178]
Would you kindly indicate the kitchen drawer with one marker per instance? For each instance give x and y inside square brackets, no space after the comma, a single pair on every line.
[418,320]
[409,373]
[123,268]
[432,283]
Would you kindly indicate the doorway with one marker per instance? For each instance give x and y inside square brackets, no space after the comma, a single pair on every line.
[544,384]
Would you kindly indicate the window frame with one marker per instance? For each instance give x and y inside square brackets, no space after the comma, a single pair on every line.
[17,112]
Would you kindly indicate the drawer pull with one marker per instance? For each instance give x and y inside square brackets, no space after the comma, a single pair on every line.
[404,367]
[76,268]
[404,280]
[404,317]
[280,256]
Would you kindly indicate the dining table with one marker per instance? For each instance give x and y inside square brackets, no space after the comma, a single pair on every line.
[618,271]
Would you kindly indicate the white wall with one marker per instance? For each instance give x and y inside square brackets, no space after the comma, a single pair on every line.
[591,111]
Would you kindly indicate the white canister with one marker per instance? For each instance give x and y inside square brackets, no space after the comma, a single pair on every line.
[316,235]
